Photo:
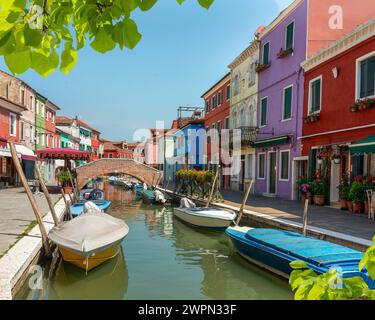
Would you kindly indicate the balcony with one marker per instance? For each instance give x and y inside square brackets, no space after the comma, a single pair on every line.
[248,136]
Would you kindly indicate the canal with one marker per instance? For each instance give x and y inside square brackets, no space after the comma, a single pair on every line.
[161,259]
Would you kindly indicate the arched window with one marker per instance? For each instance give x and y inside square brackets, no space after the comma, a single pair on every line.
[236,84]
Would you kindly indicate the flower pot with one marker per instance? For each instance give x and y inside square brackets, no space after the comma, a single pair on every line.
[320,161]
[350,206]
[319,200]
[68,190]
[357,207]
[337,160]
[343,204]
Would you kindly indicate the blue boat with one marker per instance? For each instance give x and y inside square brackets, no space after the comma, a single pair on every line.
[274,250]
[77,208]
[112,180]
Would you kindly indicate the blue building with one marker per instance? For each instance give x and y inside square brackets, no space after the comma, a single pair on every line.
[189,146]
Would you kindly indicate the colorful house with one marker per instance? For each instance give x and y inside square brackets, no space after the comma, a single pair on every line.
[302,29]
[243,114]
[217,110]
[339,108]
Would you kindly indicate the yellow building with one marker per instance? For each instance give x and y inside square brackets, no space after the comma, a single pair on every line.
[243,114]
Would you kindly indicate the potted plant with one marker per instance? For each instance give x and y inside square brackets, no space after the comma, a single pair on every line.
[344,188]
[356,195]
[336,156]
[64,178]
[368,184]
[354,107]
[318,189]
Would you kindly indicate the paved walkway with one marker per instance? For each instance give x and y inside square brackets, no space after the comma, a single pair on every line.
[16,214]
[356,225]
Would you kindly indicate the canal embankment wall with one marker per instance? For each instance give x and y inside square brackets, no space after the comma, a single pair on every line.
[255,219]
[16,263]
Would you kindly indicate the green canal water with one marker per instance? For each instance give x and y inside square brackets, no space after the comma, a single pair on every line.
[161,259]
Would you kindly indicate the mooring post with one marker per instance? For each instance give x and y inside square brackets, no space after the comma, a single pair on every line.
[246,197]
[67,205]
[305,217]
[71,181]
[47,195]
[213,187]
[33,203]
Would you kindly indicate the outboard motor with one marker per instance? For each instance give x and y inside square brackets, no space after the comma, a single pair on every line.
[187,203]
[93,195]
[90,207]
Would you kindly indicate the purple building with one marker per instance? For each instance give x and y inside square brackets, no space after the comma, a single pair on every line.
[278,149]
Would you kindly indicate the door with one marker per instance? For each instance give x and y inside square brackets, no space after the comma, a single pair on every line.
[242,174]
[335,181]
[272,173]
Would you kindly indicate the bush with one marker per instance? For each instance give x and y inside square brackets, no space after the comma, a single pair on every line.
[318,188]
[356,193]
[344,188]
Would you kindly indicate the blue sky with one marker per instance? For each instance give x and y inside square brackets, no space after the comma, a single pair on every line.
[184,50]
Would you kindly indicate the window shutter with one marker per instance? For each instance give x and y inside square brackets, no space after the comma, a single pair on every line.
[266,51]
[263,120]
[288,103]
[312,163]
[290,36]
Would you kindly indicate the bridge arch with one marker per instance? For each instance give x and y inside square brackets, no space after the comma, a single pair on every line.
[105,167]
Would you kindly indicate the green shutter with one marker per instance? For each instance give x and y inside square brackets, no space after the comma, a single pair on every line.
[266,53]
[316,91]
[285,165]
[288,94]
[312,163]
[367,78]
[289,36]
[263,119]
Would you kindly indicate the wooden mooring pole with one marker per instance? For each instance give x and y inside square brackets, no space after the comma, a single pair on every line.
[246,197]
[74,188]
[305,217]
[33,203]
[67,205]
[47,195]
[213,187]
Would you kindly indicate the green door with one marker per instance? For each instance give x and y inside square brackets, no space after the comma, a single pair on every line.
[272,173]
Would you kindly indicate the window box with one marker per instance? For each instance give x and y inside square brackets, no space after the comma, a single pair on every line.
[261,67]
[362,104]
[312,118]
[284,53]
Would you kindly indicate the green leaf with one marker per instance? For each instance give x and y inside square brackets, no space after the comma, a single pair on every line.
[103,41]
[298,265]
[68,58]
[131,34]
[146,5]
[44,62]
[33,37]
[206,3]
[317,292]
[18,62]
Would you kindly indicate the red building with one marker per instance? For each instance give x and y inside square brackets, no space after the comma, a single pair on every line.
[95,144]
[117,150]
[339,110]
[9,131]
[217,111]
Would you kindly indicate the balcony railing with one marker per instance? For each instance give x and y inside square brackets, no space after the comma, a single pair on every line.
[247,138]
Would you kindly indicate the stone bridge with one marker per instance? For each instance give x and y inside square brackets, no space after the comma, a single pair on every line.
[106,167]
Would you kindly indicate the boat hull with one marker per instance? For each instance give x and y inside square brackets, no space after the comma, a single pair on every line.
[91,262]
[278,261]
[77,209]
[202,221]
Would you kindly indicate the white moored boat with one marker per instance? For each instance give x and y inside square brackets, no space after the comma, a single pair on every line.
[212,218]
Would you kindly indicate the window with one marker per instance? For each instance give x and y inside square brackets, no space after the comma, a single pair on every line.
[235,85]
[207,106]
[31,134]
[252,74]
[266,54]
[22,130]
[37,137]
[289,37]
[263,114]
[261,166]
[226,123]
[366,77]
[31,103]
[315,95]
[228,92]
[287,103]
[22,97]
[12,124]
[220,98]
[284,165]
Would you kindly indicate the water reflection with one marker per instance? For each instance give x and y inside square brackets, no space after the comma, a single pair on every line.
[165,259]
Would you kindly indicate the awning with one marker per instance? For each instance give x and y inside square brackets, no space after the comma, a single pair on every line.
[366,145]
[63,154]
[275,141]
[26,153]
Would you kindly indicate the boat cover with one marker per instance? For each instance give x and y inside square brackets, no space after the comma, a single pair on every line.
[187,203]
[89,233]
[90,207]
[309,249]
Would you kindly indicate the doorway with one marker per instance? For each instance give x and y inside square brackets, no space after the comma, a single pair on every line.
[242,174]
[272,173]
[335,181]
